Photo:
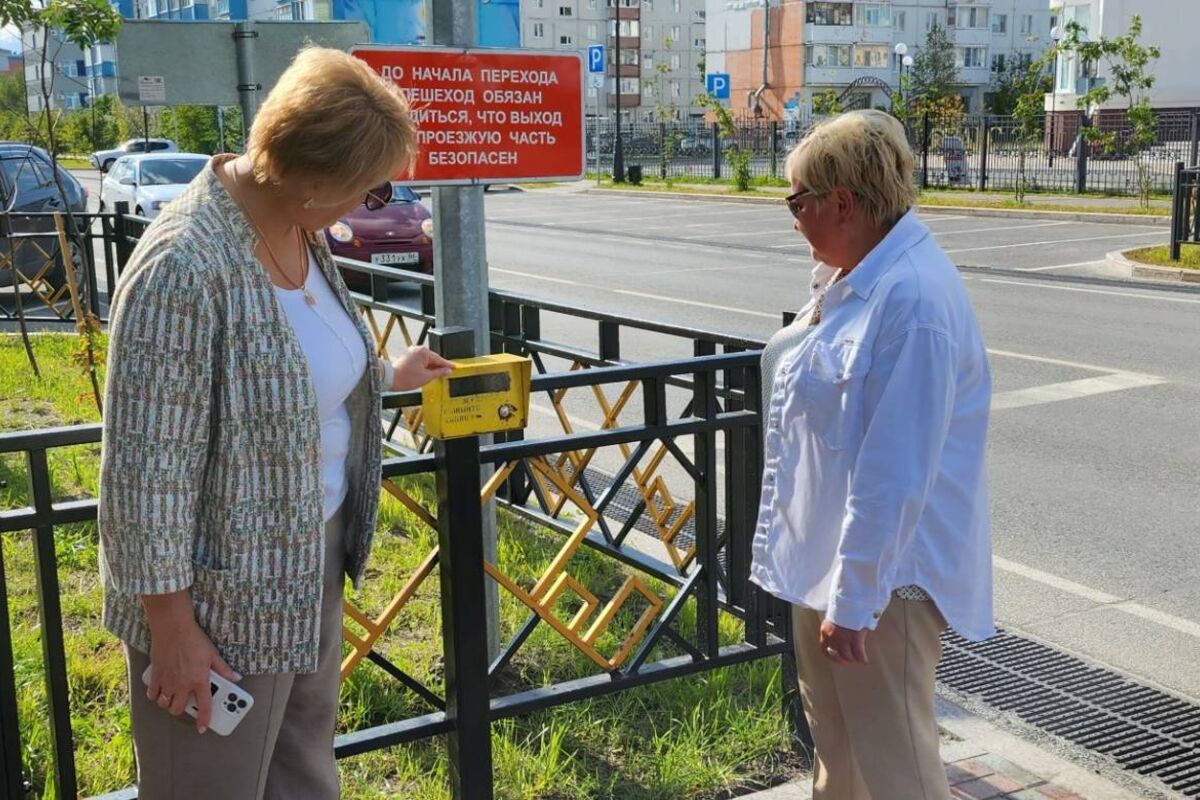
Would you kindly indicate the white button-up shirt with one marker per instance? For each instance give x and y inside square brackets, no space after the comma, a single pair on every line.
[874,474]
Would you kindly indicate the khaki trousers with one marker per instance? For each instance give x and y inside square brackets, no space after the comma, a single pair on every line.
[281,750]
[873,725]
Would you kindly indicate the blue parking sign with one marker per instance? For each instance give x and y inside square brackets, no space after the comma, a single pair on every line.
[717,85]
[596,58]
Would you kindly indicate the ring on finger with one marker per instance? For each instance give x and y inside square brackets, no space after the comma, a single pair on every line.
[165,699]
[832,652]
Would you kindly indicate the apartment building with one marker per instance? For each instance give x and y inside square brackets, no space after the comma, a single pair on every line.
[850,47]
[655,51]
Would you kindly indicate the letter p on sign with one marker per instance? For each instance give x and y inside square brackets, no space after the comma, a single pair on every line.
[718,85]
[596,58]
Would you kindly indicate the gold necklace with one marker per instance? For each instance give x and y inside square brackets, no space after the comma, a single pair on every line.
[303,285]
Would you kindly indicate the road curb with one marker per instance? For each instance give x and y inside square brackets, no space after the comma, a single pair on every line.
[1136,269]
[1008,213]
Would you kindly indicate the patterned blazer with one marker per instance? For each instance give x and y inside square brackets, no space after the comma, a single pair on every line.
[210,464]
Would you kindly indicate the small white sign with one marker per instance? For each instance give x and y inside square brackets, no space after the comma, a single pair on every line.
[596,80]
[152,89]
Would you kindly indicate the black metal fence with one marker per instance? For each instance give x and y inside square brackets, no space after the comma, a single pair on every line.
[959,151]
[1185,214]
[708,398]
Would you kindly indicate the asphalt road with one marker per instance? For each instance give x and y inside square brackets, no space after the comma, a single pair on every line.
[1095,438]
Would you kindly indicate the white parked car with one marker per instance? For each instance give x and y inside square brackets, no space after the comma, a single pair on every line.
[149,182]
[104,159]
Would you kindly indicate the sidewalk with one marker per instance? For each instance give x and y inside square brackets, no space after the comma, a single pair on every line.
[986,763]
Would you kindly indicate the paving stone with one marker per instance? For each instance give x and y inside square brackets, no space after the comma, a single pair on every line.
[968,770]
[988,788]
[1009,770]
[960,751]
[1056,792]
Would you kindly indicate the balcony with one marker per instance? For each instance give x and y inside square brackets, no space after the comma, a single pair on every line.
[970,37]
[627,71]
[627,100]
[627,43]
[832,34]
[625,13]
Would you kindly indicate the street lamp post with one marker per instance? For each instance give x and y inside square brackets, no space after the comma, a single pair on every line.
[1055,36]
[902,59]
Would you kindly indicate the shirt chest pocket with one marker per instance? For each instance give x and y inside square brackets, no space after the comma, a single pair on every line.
[831,387]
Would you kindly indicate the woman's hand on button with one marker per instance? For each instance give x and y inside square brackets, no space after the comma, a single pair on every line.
[417,367]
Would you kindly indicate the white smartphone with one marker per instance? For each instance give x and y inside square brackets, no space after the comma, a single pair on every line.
[230,703]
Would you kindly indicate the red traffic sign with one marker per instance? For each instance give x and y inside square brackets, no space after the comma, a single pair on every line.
[487,116]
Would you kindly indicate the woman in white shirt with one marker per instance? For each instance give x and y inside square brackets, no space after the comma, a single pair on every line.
[874,515]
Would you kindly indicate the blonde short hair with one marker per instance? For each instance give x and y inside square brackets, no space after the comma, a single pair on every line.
[865,152]
[331,115]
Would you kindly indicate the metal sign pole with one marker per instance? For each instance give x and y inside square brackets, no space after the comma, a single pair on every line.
[243,40]
[460,273]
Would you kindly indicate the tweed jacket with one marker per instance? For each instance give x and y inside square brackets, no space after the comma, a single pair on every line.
[210,461]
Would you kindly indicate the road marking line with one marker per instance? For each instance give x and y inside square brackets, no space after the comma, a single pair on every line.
[1164,297]
[1071,390]
[1061,363]
[713,306]
[1053,241]
[1133,608]
[542,278]
[1060,266]
[1000,228]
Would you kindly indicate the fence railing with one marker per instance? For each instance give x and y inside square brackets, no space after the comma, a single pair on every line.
[967,151]
[1185,213]
[664,488]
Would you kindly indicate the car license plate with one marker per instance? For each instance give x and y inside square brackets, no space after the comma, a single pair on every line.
[395,258]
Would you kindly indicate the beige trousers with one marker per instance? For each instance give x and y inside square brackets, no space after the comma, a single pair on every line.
[281,750]
[873,725]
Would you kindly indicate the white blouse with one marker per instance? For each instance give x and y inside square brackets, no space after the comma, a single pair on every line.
[874,468]
[336,361]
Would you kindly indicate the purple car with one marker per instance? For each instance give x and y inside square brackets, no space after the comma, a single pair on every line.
[399,234]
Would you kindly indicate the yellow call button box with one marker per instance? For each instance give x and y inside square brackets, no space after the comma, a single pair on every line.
[487,394]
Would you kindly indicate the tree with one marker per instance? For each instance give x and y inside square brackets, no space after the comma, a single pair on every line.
[1011,77]
[934,74]
[83,23]
[1130,78]
[736,156]
[1027,85]
[827,104]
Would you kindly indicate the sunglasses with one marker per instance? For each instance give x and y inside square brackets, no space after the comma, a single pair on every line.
[378,197]
[795,201]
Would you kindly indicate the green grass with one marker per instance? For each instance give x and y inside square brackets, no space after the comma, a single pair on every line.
[75,163]
[697,737]
[1189,256]
[942,199]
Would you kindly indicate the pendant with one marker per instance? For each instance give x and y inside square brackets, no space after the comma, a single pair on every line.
[308,296]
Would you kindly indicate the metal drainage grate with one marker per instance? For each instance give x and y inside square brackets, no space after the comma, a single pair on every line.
[1141,729]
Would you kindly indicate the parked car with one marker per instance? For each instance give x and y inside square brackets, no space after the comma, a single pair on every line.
[399,234]
[28,190]
[104,159]
[150,181]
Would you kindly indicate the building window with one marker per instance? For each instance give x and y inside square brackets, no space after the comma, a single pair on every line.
[648,91]
[966,17]
[829,55]
[931,19]
[675,90]
[539,3]
[648,61]
[698,44]
[675,37]
[648,5]
[875,15]
[872,56]
[539,30]
[675,6]
[830,14]
[628,28]
[1000,23]
[998,62]
[566,11]
[630,57]
[631,86]
[591,32]
[674,60]
[970,57]
[649,32]
[1026,24]
[591,3]
[900,20]
[566,40]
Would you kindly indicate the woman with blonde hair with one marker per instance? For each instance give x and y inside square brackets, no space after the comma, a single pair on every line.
[874,515]
[241,453]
